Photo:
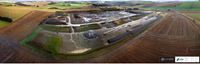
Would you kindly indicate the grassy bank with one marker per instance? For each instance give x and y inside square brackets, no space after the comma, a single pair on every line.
[55,28]
[49,44]
[86,28]
[193,19]
[3,23]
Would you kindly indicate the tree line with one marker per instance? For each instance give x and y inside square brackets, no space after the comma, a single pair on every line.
[5,19]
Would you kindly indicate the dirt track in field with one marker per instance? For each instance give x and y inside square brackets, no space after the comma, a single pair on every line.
[179,11]
[175,35]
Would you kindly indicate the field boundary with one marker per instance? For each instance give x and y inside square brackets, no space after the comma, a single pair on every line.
[22,16]
[193,19]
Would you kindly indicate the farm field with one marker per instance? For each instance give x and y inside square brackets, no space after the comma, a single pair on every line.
[185,6]
[138,6]
[40,4]
[197,16]
[63,5]
[16,32]
[170,4]
[24,25]
[142,3]
[194,17]
[149,5]
[193,12]
[3,23]
[16,11]
[5,4]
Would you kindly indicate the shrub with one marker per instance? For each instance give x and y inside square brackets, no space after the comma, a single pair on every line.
[6,19]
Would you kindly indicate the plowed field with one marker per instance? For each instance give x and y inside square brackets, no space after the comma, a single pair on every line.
[19,29]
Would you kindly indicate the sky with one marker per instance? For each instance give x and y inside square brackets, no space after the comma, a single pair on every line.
[99,0]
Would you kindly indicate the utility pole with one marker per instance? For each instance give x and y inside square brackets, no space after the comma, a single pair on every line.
[9,13]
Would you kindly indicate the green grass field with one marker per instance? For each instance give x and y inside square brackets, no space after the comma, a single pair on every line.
[142,3]
[183,7]
[5,4]
[89,27]
[54,28]
[52,45]
[63,5]
[193,18]
[197,16]
[3,23]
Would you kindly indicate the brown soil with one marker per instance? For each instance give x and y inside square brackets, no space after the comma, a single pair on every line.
[169,4]
[19,29]
[149,5]
[179,11]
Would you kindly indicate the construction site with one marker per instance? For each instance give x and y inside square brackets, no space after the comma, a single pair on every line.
[100,37]
[91,38]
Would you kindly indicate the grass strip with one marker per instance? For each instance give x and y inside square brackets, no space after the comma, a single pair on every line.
[193,19]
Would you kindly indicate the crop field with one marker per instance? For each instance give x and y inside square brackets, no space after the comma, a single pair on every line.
[197,16]
[40,4]
[63,5]
[170,4]
[194,17]
[149,5]
[3,23]
[23,26]
[16,32]
[185,6]
[142,3]
[5,4]
[15,12]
